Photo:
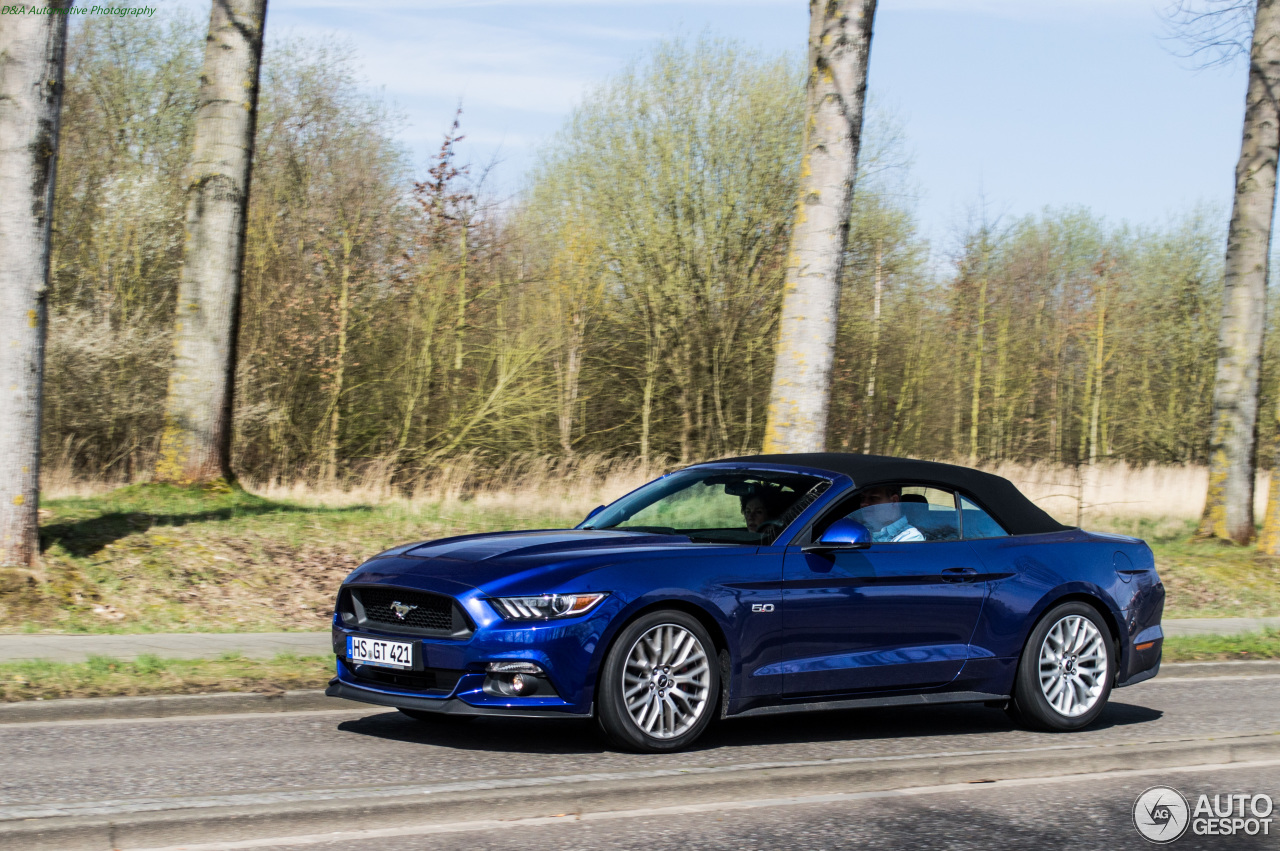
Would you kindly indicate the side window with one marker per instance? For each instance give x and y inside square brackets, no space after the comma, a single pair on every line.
[901,513]
[978,523]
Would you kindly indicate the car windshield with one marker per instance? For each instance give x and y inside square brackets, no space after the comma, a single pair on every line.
[721,506]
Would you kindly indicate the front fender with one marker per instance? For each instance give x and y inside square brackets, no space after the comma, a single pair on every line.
[700,606]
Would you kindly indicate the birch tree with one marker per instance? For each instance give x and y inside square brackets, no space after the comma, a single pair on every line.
[1228,512]
[32,58]
[195,444]
[799,398]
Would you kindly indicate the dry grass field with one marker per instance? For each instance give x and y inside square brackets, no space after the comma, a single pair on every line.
[146,558]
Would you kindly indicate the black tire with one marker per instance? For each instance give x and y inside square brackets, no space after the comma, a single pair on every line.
[1074,687]
[437,717]
[697,678]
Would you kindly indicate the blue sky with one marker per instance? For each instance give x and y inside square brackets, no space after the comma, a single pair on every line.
[1019,103]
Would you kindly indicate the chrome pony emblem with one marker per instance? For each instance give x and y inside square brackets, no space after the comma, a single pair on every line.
[401,609]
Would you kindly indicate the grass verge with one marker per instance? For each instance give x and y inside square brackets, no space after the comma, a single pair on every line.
[1223,648]
[162,558]
[101,676]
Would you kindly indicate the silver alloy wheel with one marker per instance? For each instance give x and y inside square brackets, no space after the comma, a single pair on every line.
[665,681]
[1073,665]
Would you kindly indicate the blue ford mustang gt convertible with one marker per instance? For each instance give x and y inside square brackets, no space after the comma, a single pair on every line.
[759,585]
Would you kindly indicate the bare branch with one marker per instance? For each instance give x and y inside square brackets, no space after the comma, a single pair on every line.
[1211,32]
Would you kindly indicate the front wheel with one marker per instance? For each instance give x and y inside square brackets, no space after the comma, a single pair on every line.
[660,684]
[1066,670]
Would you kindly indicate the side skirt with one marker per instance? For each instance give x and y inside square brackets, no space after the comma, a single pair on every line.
[870,702]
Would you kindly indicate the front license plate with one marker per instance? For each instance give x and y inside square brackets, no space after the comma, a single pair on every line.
[374,651]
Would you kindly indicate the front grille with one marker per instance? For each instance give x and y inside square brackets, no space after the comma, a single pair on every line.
[432,611]
[433,679]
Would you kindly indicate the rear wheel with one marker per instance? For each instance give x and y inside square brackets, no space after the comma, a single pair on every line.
[660,684]
[1066,670]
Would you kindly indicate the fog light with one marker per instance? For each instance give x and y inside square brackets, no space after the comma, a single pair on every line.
[517,679]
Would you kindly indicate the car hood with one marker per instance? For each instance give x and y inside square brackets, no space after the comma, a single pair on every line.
[506,560]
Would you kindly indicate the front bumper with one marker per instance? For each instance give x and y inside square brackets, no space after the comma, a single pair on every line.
[452,669]
[451,706]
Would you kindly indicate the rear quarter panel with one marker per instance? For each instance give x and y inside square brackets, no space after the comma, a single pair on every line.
[1039,571]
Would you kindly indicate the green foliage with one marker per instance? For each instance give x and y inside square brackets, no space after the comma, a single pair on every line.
[101,676]
[625,304]
[683,171]
[1231,648]
[1213,579]
[1080,342]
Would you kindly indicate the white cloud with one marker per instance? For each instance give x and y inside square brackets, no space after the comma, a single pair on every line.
[485,64]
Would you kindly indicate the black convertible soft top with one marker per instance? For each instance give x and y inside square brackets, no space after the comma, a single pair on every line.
[1017,514]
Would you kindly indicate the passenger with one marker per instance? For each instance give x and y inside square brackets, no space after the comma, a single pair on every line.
[881,512]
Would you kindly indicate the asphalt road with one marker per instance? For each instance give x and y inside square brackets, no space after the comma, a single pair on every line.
[1081,814]
[117,763]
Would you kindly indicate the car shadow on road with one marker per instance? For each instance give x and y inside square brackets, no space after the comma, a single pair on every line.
[499,735]
[514,735]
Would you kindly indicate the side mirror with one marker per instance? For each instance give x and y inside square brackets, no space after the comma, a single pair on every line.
[844,534]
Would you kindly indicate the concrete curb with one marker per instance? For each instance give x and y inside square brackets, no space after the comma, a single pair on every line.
[64,647]
[314,700]
[1253,668]
[544,797]
[169,706]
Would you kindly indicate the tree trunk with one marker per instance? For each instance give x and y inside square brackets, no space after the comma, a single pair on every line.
[975,395]
[651,363]
[330,472]
[460,320]
[32,50]
[568,374]
[1228,509]
[1269,540]
[1000,417]
[1099,363]
[424,366]
[869,419]
[800,395]
[196,442]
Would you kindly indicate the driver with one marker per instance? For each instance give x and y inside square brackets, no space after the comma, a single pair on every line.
[760,511]
[755,513]
[881,512]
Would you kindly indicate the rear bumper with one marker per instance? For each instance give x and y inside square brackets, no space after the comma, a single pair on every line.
[441,706]
[1144,663]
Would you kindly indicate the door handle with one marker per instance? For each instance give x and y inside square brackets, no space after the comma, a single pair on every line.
[959,574]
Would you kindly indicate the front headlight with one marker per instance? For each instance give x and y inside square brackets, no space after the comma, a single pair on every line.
[545,607]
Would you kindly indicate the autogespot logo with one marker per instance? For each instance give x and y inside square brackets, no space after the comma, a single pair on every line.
[1161,814]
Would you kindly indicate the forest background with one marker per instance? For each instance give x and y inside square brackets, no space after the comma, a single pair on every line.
[624,305]
[420,354]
